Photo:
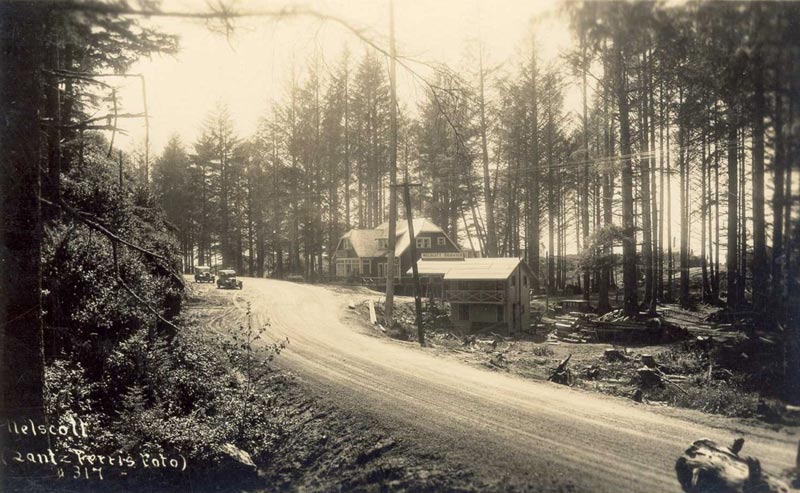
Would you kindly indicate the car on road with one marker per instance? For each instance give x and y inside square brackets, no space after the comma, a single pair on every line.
[202,273]
[227,280]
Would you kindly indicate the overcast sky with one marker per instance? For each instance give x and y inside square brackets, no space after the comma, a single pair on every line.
[252,67]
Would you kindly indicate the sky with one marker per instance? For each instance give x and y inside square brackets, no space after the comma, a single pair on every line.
[252,67]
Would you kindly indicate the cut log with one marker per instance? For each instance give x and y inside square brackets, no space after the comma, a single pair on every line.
[373,319]
[709,467]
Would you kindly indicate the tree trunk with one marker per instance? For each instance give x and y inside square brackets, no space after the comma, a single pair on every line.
[534,219]
[390,270]
[759,267]
[644,167]
[585,185]
[491,231]
[603,304]
[660,277]
[683,139]
[22,337]
[654,191]
[703,213]
[777,198]
[733,209]
[630,303]
[551,208]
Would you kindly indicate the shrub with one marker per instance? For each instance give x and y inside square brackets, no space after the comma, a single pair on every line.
[718,397]
[542,351]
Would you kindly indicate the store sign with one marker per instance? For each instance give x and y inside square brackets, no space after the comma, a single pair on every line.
[442,256]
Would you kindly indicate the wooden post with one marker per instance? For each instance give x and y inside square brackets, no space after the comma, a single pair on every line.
[414,269]
[388,312]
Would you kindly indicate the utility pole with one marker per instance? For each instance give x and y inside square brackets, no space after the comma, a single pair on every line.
[389,305]
[414,269]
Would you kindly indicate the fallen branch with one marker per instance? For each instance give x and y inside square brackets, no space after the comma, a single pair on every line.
[133,293]
[84,218]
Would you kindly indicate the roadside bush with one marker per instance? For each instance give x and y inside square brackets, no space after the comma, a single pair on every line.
[542,351]
[682,361]
[69,396]
[194,394]
[141,383]
[718,397]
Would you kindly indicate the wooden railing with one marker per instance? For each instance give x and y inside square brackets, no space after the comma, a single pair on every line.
[478,296]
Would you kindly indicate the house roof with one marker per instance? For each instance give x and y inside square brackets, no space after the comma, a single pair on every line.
[421,225]
[365,241]
[498,268]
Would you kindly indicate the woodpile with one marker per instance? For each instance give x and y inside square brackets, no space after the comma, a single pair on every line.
[613,327]
[707,466]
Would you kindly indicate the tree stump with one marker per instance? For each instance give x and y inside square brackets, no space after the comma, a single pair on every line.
[649,377]
[614,355]
[562,374]
[648,360]
[709,467]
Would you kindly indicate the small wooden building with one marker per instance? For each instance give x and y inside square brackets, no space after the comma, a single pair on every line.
[484,293]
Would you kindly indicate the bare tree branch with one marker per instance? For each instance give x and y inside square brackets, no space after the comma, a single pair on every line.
[133,293]
[86,219]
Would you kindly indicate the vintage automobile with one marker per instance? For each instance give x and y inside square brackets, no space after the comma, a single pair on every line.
[227,280]
[202,273]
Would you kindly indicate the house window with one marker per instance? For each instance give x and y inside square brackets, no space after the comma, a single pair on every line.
[423,242]
[440,241]
[463,312]
[345,244]
[513,280]
[365,267]
[347,267]
[382,268]
[525,281]
[500,313]
[383,243]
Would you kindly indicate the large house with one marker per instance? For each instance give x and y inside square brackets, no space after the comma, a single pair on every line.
[484,293]
[361,253]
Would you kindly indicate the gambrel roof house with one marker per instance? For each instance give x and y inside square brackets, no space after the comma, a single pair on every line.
[361,253]
[483,292]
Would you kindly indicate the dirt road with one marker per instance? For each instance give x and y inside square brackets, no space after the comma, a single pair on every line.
[536,435]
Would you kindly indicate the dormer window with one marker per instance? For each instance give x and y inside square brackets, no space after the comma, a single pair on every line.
[423,242]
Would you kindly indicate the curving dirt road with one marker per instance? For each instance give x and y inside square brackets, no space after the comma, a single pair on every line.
[536,435]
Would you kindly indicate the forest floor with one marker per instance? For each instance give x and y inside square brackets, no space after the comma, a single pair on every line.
[690,381]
